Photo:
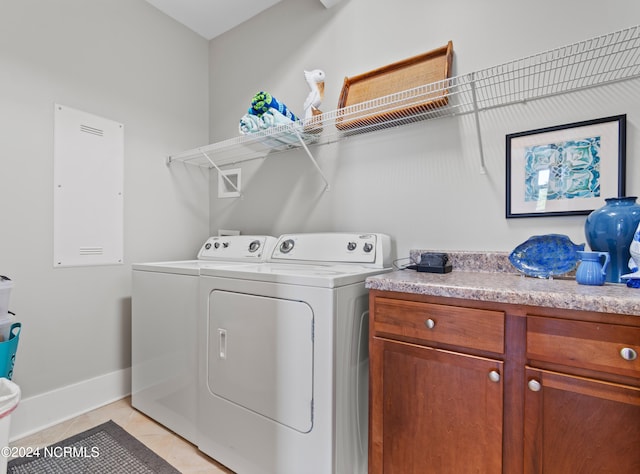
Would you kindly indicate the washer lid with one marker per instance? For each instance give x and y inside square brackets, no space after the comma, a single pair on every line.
[326,276]
[227,250]
[185,267]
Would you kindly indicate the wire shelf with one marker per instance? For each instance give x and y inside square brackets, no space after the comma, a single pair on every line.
[597,61]
[601,60]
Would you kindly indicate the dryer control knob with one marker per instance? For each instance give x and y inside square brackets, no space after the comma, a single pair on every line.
[254,246]
[207,245]
[368,247]
[351,246]
[287,246]
[225,244]
[216,245]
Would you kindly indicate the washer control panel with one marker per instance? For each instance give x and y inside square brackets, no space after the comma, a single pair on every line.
[333,247]
[237,247]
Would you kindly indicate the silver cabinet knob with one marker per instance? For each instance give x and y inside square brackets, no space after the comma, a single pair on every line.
[430,323]
[494,376]
[534,385]
[628,354]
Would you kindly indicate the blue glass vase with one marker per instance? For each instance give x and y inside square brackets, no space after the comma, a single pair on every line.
[610,229]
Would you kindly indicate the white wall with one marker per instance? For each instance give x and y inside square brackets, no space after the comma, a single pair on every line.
[125,61]
[419,183]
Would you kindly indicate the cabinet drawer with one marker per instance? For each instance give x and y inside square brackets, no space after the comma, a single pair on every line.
[434,323]
[586,345]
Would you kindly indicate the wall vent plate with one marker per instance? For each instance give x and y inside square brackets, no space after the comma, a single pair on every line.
[226,232]
[229,183]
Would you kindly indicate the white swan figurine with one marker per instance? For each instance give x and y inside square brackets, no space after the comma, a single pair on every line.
[315,81]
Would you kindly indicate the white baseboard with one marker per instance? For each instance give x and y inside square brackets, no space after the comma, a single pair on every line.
[47,409]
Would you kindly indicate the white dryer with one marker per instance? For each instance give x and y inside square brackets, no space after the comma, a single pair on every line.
[163,329]
[283,380]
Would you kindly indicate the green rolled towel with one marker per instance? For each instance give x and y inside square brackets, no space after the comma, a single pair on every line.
[263,101]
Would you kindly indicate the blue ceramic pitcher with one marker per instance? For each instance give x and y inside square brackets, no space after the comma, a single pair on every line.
[592,270]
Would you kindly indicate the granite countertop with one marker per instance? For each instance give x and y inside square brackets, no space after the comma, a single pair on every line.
[491,277]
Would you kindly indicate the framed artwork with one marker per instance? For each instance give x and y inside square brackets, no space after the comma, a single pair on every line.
[567,169]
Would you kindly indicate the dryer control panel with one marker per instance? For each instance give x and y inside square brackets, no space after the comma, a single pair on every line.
[334,247]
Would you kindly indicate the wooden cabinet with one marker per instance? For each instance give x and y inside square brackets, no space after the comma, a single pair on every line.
[576,424]
[583,413]
[430,404]
[462,386]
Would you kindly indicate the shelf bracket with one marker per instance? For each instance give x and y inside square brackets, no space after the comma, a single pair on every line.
[224,176]
[313,160]
[483,170]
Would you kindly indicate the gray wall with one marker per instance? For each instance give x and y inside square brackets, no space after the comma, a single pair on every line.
[125,61]
[420,183]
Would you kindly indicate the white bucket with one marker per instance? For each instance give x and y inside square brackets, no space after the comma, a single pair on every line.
[5,292]
[6,320]
[9,398]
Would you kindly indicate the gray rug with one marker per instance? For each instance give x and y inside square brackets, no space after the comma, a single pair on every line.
[105,449]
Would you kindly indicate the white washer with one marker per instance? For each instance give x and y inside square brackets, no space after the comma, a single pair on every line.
[163,329]
[283,380]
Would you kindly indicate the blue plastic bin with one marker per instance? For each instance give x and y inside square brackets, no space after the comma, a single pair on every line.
[8,351]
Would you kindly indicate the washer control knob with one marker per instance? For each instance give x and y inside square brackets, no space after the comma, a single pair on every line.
[207,245]
[216,245]
[351,246]
[225,244]
[254,246]
[368,247]
[287,246]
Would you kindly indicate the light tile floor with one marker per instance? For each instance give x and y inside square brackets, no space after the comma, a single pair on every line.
[178,452]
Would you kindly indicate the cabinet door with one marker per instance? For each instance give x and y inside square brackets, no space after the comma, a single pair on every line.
[575,424]
[434,411]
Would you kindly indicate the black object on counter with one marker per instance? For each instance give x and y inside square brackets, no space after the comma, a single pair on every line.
[431,262]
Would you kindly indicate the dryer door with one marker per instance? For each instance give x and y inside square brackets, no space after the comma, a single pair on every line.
[260,356]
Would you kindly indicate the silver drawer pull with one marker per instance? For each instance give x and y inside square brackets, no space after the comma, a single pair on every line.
[628,354]
[430,323]
[534,385]
[494,376]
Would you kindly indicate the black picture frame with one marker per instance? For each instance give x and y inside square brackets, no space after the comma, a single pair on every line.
[566,169]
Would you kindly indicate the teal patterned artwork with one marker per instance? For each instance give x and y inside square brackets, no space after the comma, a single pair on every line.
[564,170]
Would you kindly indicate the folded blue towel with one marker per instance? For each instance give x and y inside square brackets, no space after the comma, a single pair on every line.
[271,118]
[249,124]
[263,101]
